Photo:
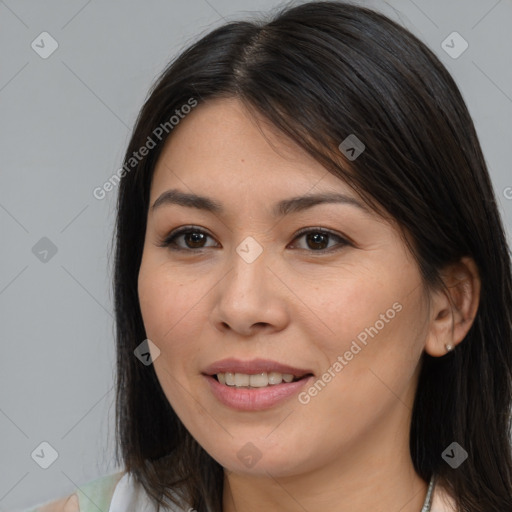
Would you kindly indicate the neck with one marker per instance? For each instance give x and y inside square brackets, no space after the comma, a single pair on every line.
[380,489]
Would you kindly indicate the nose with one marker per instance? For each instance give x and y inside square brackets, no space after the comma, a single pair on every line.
[251,297]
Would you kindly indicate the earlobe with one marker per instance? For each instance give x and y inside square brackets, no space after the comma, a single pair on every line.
[453,309]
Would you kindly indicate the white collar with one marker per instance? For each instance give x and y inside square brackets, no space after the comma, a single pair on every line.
[130,496]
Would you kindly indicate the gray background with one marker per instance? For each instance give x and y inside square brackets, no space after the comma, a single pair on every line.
[65,122]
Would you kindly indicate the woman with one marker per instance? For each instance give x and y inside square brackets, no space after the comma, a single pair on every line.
[259,365]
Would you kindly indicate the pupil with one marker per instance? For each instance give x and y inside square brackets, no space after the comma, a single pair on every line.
[196,237]
[317,237]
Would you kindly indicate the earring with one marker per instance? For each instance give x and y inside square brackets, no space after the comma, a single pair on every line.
[448,347]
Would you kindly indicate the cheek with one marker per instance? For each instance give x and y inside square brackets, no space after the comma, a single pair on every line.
[376,377]
[376,323]
[153,299]
[352,307]
[387,351]
[167,313]
[164,309]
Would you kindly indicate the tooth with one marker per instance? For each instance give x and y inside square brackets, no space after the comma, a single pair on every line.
[260,380]
[241,379]
[275,378]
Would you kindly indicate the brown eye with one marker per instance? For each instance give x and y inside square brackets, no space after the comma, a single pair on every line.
[318,239]
[193,238]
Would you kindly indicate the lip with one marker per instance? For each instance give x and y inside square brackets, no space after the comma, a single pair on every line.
[252,367]
[255,399]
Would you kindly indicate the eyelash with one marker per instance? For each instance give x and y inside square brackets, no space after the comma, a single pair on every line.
[169,240]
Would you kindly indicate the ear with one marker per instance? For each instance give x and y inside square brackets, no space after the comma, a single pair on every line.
[453,311]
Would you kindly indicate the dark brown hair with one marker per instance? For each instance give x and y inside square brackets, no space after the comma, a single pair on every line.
[319,72]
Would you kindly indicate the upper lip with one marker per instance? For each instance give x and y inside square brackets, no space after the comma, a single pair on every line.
[252,367]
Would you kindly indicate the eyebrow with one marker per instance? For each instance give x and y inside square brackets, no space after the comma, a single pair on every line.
[280,209]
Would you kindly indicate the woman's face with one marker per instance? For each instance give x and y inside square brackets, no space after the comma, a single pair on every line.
[243,293]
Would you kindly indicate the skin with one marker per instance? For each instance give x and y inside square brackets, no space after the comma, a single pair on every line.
[348,448]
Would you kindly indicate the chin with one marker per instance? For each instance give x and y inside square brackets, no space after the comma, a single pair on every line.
[257,458]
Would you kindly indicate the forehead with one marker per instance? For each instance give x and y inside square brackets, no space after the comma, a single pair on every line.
[220,144]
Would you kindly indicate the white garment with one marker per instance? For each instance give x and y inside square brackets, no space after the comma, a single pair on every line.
[129,495]
[442,501]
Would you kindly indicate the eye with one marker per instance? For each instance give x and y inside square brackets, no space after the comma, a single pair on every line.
[319,237]
[193,236]
[194,239]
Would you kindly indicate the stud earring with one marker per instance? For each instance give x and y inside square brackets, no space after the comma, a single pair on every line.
[448,347]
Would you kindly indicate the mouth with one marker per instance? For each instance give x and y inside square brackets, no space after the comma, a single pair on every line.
[254,385]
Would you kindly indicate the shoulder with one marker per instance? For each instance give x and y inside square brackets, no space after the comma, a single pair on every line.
[94,493]
[117,492]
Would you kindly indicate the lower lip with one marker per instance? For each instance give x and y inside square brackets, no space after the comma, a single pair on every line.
[254,399]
